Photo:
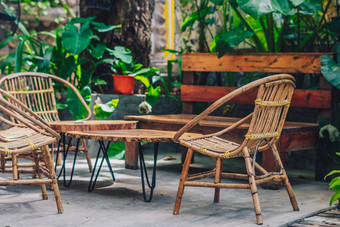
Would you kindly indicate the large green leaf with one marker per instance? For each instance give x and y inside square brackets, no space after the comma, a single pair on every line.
[144,80]
[334,198]
[257,9]
[98,51]
[153,95]
[335,183]
[331,173]
[75,42]
[47,51]
[117,150]
[75,107]
[105,110]
[311,7]
[19,55]
[330,69]
[189,21]
[145,72]
[122,54]
[225,42]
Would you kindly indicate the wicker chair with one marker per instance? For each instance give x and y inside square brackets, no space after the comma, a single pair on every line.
[29,135]
[265,125]
[36,91]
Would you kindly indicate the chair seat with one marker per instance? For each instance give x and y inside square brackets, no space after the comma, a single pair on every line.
[211,144]
[16,133]
[31,142]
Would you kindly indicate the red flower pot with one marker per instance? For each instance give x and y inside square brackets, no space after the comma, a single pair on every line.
[123,84]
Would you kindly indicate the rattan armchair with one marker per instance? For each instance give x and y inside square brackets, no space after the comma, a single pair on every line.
[26,137]
[36,91]
[265,125]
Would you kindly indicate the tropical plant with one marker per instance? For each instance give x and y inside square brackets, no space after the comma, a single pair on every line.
[288,25]
[125,65]
[104,110]
[267,26]
[65,58]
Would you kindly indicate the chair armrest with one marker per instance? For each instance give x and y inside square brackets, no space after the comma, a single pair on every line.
[213,107]
[226,130]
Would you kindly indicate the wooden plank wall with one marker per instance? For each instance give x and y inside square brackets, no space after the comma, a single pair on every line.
[302,63]
[253,62]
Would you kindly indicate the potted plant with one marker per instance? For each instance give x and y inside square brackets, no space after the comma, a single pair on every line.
[125,71]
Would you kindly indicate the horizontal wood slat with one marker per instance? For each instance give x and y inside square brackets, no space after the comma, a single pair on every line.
[320,99]
[253,62]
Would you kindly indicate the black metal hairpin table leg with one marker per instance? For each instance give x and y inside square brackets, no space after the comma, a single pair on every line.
[61,140]
[57,155]
[74,162]
[65,153]
[143,171]
[104,149]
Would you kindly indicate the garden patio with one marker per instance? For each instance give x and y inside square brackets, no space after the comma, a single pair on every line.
[233,94]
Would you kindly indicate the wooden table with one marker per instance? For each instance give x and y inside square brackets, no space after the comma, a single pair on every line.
[90,125]
[132,135]
[295,135]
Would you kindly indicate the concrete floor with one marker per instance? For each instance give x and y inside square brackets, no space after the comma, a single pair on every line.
[120,203]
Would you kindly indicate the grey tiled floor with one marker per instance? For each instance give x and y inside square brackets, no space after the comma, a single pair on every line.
[120,203]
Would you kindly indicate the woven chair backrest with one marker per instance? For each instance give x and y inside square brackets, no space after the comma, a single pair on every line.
[22,115]
[36,92]
[271,107]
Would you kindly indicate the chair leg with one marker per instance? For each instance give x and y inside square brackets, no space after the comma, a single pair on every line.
[253,187]
[217,179]
[15,167]
[87,154]
[50,166]
[2,161]
[40,175]
[184,176]
[287,183]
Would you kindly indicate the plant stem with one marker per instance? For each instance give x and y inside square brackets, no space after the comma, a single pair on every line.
[265,32]
[278,47]
[202,39]
[225,5]
[270,28]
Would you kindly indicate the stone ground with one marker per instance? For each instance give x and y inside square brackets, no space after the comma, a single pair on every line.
[120,203]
